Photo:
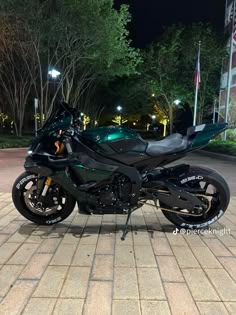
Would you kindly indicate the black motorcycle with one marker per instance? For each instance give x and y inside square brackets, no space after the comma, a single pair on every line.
[112,170]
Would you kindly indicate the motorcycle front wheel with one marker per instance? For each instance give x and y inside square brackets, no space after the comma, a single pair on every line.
[59,204]
[216,195]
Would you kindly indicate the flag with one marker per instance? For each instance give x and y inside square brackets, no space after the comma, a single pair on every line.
[197,72]
[232,19]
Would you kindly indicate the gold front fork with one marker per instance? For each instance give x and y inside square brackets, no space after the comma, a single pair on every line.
[59,149]
[48,183]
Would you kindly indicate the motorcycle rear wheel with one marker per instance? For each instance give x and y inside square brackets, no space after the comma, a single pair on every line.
[23,194]
[220,195]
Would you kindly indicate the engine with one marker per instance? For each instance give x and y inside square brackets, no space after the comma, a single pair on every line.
[116,193]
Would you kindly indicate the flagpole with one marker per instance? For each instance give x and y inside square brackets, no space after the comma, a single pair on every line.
[196,90]
[230,71]
[226,12]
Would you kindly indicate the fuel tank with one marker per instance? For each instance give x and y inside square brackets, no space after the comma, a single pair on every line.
[118,142]
[101,135]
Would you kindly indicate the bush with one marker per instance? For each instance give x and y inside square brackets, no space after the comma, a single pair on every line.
[9,141]
[224,147]
[231,135]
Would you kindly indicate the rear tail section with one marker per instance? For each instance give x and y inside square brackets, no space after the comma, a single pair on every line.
[199,136]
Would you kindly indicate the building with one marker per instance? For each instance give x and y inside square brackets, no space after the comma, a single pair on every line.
[225,68]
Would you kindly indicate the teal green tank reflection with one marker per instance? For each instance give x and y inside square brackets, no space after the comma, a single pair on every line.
[107,134]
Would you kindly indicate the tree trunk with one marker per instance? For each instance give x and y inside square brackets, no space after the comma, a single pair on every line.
[171,118]
[20,126]
[16,129]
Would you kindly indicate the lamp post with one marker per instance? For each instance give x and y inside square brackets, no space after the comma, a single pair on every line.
[36,105]
[54,74]
[119,110]
[153,119]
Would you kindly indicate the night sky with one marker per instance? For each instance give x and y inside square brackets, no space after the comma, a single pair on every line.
[150,16]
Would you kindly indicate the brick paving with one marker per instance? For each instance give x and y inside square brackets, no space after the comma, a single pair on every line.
[81,266]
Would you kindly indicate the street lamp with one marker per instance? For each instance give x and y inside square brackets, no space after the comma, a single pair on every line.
[177,102]
[54,73]
[153,121]
[119,109]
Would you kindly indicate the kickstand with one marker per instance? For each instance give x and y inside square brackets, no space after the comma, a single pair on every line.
[125,231]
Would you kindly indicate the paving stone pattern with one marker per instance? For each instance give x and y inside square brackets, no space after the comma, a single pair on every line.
[81,266]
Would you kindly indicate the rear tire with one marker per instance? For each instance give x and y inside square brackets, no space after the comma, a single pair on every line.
[217,208]
[18,197]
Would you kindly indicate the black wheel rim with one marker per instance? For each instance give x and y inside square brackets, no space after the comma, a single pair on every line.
[28,196]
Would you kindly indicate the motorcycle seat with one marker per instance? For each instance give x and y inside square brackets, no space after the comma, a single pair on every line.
[172,144]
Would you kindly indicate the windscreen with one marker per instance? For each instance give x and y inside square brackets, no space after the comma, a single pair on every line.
[60,111]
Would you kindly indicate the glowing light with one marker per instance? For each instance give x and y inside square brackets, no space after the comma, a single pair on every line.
[54,73]
[119,108]
[177,102]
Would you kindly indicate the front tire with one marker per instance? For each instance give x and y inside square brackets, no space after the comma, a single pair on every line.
[218,205]
[24,202]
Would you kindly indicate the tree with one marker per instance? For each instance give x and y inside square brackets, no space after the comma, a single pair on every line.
[162,68]
[131,93]
[166,73]
[119,120]
[213,50]
[15,57]
[86,40]
[169,65]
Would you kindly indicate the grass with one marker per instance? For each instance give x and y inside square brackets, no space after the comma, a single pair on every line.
[9,141]
[224,147]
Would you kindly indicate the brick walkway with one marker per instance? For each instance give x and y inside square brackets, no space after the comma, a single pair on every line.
[82,267]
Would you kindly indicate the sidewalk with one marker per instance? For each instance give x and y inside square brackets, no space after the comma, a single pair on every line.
[82,267]
[216,155]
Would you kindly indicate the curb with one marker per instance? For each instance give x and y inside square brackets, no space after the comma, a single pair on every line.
[216,155]
[13,149]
